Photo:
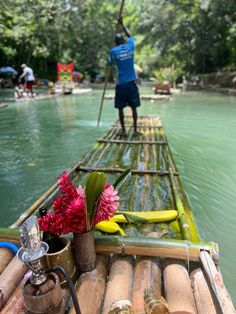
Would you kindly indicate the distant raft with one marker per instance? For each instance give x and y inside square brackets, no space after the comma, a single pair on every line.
[145,97]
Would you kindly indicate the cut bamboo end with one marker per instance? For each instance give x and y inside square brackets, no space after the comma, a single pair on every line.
[202,293]
[119,286]
[11,278]
[120,307]
[178,289]
[147,274]
[154,304]
[91,286]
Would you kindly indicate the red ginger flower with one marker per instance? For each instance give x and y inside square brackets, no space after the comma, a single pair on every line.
[68,209]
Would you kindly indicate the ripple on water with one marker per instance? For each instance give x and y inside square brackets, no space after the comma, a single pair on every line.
[55,134]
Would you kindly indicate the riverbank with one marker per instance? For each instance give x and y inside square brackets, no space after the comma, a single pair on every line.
[222,82]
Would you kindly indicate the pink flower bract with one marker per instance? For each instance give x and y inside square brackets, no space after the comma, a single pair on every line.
[107,204]
[68,213]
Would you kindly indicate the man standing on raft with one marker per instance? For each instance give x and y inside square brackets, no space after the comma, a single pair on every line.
[127,93]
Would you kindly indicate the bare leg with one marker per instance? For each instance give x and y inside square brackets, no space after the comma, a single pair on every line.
[135,118]
[121,116]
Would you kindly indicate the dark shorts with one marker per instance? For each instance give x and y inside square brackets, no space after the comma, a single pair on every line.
[127,94]
[29,84]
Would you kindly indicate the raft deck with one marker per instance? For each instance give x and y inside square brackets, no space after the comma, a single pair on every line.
[145,97]
[154,260]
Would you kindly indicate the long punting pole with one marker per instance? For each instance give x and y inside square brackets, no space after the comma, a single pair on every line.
[108,70]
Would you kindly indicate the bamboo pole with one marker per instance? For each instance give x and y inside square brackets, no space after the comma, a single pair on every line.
[108,69]
[147,274]
[178,289]
[135,155]
[11,277]
[6,256]
[184,225]
[144,126]
[10,235]
[146,246]
[119,286]
[100,149]
[91,286]
[135,245]
[189,216]
[13,239]
[202,293]
[116,153]
[120,170]
[215,280]
[16,302]
[101,140]
[145,162]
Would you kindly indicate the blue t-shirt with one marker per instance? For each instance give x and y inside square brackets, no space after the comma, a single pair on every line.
[123,57]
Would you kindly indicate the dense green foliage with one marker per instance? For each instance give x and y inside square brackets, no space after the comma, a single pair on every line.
[197,36]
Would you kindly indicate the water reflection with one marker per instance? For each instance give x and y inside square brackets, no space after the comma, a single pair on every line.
[41,138]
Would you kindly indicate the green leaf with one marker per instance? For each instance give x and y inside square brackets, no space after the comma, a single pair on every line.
[133,219]
[121,179]
[94,187]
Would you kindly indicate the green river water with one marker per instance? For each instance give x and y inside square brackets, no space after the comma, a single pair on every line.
[39,139]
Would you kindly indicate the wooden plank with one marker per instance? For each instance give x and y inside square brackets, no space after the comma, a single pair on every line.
[120,170]
[214,277]
[131,142]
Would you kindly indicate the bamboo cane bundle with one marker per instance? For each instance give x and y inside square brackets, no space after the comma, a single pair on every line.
[178,289]
[91,286]
[11,278]
[147,274]
[202,293]
[6,256]
[119,287]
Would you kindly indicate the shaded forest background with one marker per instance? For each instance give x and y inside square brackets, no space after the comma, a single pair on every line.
[197,36]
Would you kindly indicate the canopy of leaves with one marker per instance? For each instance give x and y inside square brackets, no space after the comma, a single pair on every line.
[195,35]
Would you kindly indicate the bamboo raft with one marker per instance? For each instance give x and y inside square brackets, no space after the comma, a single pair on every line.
[157,267]
[145,97]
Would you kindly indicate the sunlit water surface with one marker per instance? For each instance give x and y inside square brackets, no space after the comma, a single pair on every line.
[39,139]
